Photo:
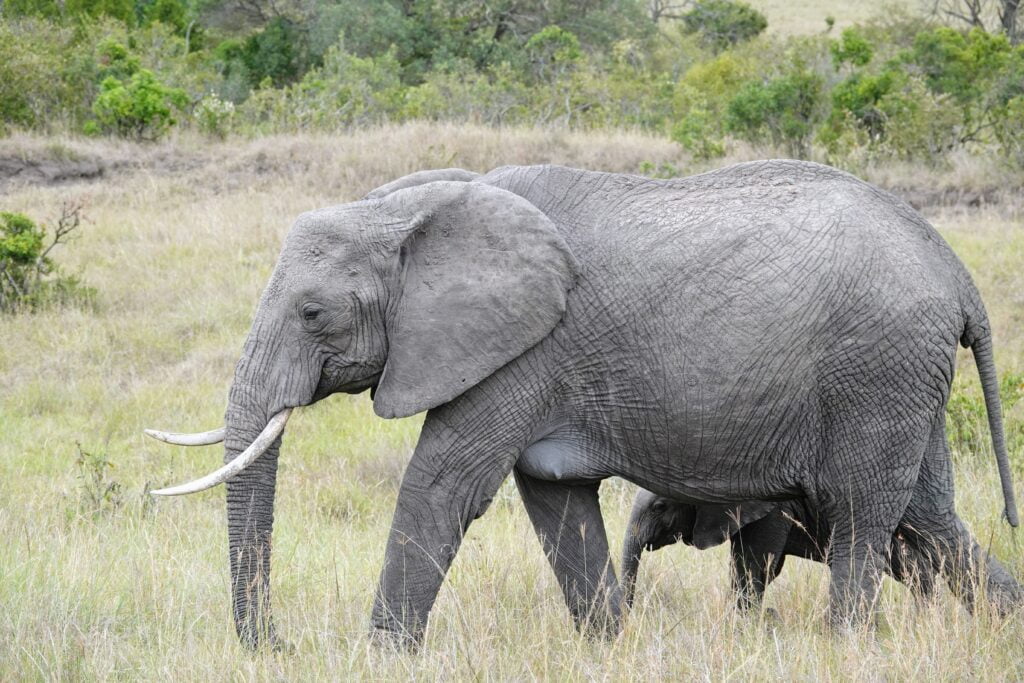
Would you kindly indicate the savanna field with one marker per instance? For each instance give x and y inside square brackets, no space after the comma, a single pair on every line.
[98,580]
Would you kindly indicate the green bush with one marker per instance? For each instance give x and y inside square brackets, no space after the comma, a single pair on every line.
[552,52]
[852,47]
[141,108]
[920,124]
[1009,131]
[278,52]
[982,72]
[724,23]
[38,84]
[214,116]
[784,110]
[29,279]
[347,90]
[700,100]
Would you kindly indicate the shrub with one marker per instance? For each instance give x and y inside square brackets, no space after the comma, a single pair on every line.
[278,52]
[140,108]
[214,116]
[981,71]
[37,88]
[347,90]
[724,23]
[852,47]
[1009,131]
[784,109]
[99,494]
[700,100]
[699,131]
[552,52]
[29,279]
[919,124]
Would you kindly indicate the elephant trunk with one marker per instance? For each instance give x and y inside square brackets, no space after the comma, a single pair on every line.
[250,511]
[633,547]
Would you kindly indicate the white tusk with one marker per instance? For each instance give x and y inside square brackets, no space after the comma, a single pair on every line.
[199,439]
[273,430]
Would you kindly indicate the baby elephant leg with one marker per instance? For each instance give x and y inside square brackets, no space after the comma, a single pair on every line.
[758,553]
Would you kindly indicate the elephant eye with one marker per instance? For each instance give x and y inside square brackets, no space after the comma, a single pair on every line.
[310,313]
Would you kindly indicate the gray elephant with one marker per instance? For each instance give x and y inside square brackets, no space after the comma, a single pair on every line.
[565,326]
[761,536]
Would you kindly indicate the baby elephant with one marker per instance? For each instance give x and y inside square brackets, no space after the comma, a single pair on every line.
[761,534]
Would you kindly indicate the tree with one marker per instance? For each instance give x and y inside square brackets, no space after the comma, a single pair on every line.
[979,13]
[724,23]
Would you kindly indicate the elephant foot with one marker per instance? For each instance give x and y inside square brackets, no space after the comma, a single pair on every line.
[397,641]
[261,638]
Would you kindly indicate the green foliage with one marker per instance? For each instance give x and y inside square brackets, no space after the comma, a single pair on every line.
[122,10]
[347,90]
[277,52]
[724,23]
[37,84]
[1009,131]
[852,47]
[700,101]
[99,494]
[139,108]
[967,419]
[552,52]
[214,116]
[29,279]
[897,87]
[783,110]
[173,13]
[115,60]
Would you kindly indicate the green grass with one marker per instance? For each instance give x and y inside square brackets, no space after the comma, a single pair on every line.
[123,586]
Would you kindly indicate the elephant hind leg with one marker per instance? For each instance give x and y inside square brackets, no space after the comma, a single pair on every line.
[864,494]
[912,568]
[859,553]
[933,528]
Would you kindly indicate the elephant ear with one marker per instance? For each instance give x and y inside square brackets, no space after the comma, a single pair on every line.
[715,523]
[483,276]
[422,178]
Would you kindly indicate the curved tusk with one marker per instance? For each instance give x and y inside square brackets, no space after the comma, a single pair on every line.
[199,439]
[273,430]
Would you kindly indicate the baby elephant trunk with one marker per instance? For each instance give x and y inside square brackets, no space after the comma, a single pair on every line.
[632,548]
[637,538]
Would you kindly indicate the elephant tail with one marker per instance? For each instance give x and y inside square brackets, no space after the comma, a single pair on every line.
[978,336]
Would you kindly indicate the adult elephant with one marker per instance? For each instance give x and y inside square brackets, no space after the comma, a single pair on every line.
[568,326]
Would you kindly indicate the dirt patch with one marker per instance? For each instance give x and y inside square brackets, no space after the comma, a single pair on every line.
[44,162]
[16,170]
[927,198]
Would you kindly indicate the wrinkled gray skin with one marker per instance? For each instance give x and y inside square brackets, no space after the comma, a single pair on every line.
[566,326]
[761,536]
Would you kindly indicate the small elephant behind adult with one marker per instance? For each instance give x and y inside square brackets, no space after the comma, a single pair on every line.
[761,535]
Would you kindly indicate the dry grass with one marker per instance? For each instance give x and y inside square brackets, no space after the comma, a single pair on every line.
[131,588]
[803,17]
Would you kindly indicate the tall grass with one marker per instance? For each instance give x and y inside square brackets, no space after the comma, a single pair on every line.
[103,582]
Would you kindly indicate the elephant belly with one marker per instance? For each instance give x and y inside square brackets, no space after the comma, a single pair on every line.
[554,459]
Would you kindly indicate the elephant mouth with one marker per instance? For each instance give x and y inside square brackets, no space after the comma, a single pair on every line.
[330,383]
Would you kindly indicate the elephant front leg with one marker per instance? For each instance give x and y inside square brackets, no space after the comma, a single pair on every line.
[568,522]
[450,482]
[758,553]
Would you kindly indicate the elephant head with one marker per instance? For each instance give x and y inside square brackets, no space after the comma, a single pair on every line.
[657,521]
[417,294]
